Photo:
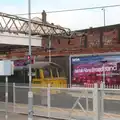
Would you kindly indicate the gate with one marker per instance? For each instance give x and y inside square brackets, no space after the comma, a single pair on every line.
[64,103]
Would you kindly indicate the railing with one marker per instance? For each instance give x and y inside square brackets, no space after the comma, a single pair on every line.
[97,103]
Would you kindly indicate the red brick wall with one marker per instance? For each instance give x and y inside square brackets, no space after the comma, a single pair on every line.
[63,43]
[109,37]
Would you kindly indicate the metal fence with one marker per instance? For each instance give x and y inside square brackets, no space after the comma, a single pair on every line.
[91,102]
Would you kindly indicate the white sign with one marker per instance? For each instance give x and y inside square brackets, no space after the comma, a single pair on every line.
[6,68]
[1,68]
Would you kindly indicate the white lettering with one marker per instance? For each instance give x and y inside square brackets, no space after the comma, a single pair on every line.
[107,68]
[76,59]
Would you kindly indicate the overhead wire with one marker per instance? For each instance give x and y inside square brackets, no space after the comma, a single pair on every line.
[71,10]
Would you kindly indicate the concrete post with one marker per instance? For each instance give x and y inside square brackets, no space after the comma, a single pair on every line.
[14,97]
[102,100]
[48,100]
[87,105]
[96,102]
[6,97]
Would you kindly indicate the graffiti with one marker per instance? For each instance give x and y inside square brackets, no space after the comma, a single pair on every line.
[94,43]
[83,40]
[110,37]
[94,39]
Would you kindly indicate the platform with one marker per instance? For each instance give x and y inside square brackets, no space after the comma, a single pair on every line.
[58,113]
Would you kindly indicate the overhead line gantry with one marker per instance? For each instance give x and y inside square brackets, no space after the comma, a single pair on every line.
[18,25]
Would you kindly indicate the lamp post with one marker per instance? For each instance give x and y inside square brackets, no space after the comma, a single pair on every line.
[30,94]
[104,16]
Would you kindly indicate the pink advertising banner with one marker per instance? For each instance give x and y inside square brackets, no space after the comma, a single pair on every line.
[90,69]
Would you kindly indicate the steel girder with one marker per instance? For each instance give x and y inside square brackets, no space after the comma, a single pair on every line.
[18,25]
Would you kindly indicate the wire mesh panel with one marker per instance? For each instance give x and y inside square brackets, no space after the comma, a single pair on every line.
[40,101]
[71,103]
[111,101]
[20,96]
[2,97]
[68,103]
[6,107]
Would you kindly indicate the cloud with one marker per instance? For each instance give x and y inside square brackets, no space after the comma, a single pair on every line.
[12,9]
[73,20]
[78,19]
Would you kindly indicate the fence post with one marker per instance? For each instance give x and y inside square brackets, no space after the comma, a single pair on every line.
[30,104]
[102,99]
[96,101]
[6,97]
[48,100]
[14,97]
[87,105]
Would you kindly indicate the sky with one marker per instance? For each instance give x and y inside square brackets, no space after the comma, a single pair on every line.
[74,20]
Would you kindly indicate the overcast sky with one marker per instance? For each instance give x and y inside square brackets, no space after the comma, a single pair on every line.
[72,20]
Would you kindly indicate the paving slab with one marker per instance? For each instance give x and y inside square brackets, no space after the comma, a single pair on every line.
[58,113]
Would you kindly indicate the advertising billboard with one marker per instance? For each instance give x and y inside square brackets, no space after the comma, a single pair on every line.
[90,69]
[21,62]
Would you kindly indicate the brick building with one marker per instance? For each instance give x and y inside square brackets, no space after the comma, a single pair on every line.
[100,37]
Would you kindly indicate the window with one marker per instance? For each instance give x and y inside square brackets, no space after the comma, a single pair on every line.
[47,73]
[38,73]
[33,73]
[54,72]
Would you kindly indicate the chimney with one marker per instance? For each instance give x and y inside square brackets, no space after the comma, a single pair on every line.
[44,16]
